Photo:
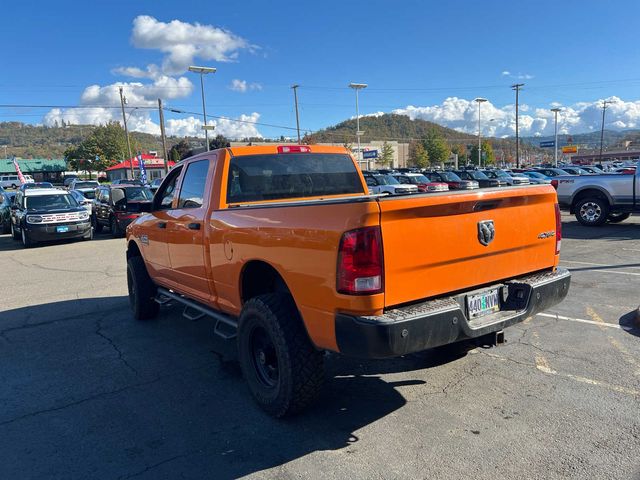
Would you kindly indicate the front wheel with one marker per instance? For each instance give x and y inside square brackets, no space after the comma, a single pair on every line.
[142,290]
[26,240]
[97,227]
[14,233]
[592,212]
[617,217]
[116,232]
[282,368]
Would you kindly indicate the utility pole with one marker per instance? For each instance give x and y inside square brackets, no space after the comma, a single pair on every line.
[203,71]
[295,98]
[479,100]
[356,87]
[517,87]
[605,104]
[555,129]
[126,132]
[164,139]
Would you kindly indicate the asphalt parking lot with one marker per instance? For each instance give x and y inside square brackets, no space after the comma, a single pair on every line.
[87,392]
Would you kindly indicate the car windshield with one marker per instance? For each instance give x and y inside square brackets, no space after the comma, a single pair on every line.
[90,194]
[50,201]
[534,174]
[387,180]
[449,177]
[132,193]
[85,185]
[501,174]
[477,175]
[419,179]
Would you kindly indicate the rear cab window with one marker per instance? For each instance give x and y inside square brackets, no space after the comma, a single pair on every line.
[264,177]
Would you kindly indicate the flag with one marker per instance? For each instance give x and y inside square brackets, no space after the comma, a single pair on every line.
[18,171]
[143,170]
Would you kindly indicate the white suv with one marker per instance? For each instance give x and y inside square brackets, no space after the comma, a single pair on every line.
[13,181]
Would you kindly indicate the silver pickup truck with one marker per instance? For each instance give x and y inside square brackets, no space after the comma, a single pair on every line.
[596,199]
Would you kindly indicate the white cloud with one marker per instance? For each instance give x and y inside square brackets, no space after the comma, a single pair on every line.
[516,76]
[192,127]
[462,114]
[242,86]
[182,42]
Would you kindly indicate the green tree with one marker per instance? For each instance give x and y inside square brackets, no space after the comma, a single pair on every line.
[436,147]
[461,151]
[386,155]
[180,151]
[488,155]
[418,155]
[220,141]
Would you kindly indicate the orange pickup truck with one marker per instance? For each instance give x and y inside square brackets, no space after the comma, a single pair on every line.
[283,247]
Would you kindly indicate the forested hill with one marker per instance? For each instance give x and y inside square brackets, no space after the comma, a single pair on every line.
[37,141]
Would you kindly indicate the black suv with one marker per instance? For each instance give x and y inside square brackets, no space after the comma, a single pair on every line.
[478,176]
[41,214]
[116,206]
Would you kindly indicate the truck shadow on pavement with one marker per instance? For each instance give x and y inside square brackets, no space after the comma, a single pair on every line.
[630,322]
[101,394]
[608,231]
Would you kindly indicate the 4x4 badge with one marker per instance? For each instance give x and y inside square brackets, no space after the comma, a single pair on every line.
[486,232]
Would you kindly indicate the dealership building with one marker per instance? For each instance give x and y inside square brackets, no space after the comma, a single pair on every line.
[152,164]
[41,169]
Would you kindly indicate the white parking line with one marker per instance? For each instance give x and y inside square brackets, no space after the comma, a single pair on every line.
[580,320]
[599,264]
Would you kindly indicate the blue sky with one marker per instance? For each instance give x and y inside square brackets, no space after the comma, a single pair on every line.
[424,59]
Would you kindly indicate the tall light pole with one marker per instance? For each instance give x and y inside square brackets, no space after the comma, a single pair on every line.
[517,87]
[295,99]
[126,132]
[605,104]
[203,71]
[356,87]
[555,110]
[480,100]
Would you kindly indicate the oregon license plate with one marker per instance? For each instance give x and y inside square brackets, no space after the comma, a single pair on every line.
[62,229]
[483,303]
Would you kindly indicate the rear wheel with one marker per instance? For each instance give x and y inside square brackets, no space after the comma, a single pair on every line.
[142,290]
[592,211]
[282,368]
[617,217]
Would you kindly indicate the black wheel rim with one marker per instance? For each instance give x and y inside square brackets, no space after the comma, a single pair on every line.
[263,357]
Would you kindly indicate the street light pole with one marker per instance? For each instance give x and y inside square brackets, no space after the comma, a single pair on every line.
[605,104]
[164,138]
[295,99]
[203,71]
[517,88]
[479,100]
[555,130]
[126,132]
[356,87]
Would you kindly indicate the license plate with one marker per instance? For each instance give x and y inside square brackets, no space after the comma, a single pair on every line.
[483,303]
[63,229]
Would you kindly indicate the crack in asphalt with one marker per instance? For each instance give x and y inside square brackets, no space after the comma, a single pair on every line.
[113,344]
[467,373]
[101,395]
[155,465]
[50,322]
[104,272]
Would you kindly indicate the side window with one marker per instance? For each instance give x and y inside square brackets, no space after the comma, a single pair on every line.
[105,196]
[193,185]
[403,179]
[370,181]
[163,199]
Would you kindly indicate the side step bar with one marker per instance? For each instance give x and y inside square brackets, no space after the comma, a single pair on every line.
[226,325]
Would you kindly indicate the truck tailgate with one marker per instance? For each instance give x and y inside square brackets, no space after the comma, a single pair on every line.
[432,246]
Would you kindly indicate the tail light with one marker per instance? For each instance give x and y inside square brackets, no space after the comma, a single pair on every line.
[294,149]
[126,215]
[558,229]
[555,184]
[360,266]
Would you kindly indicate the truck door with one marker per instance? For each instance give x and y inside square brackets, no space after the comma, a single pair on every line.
[186,230]
[155,249]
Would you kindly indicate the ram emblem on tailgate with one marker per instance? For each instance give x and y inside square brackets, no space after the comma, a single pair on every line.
[486,232]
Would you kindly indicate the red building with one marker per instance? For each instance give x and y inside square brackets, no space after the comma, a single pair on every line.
[153,165]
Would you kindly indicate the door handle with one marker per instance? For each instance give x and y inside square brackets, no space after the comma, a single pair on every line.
[193,226]
[161,224]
